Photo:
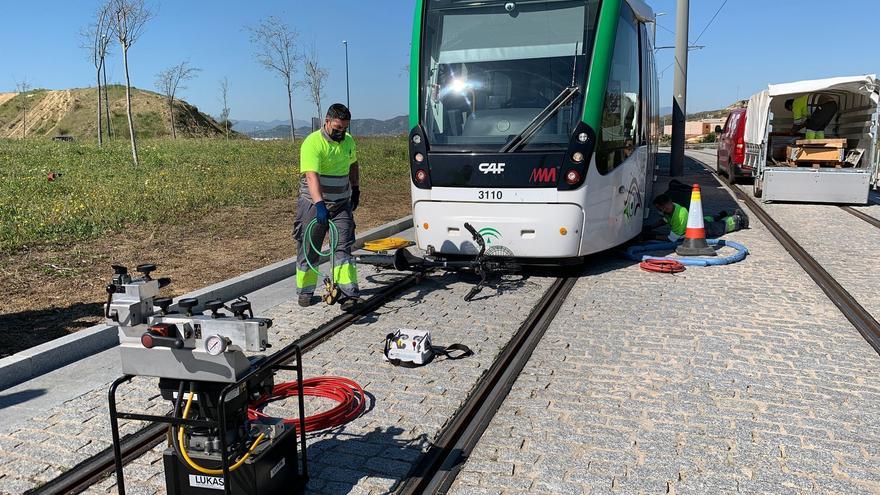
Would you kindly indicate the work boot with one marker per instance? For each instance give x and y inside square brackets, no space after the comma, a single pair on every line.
[350,303]
[305,300]
[743,218]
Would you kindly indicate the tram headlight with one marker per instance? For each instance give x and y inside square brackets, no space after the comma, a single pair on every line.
[416,139]
[419,158]
[583,137]
[577,157]
[572,177]
[421,176]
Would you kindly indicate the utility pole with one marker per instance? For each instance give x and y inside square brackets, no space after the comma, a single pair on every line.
[679,103]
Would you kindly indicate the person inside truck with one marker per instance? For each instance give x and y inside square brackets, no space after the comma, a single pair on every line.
[677,216]
[816,122]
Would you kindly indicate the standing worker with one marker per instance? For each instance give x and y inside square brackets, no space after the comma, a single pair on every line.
[816,122]
[329,192]
[677,217]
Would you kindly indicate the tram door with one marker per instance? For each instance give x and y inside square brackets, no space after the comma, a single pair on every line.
[622,151]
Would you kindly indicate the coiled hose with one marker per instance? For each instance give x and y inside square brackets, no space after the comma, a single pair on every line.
[349,395]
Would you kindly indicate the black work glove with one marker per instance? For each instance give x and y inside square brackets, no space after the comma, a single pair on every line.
[355,197]
[322,214]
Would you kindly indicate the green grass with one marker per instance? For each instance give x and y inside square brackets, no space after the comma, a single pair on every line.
[177,182]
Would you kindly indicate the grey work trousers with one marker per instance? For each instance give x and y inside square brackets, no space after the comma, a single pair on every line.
[344,269]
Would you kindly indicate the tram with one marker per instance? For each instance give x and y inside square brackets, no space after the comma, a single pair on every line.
[534,121]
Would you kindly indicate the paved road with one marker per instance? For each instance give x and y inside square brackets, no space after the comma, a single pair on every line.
[737,379]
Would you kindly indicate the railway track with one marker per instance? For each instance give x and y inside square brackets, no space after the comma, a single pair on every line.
[857,315]
[864,216]
[102,464]
[438,468]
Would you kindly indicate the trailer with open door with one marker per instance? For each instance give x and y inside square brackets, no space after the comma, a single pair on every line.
[769,142]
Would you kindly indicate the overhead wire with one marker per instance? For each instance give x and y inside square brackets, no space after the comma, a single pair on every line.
[710,22]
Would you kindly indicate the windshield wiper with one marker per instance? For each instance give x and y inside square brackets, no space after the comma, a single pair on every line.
[543,116]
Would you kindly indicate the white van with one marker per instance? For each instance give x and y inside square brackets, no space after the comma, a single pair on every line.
[767,135]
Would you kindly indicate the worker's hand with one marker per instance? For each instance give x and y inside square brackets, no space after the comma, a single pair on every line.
[355,197]
[323,215]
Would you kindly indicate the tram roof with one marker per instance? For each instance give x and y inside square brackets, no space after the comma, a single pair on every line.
[643,11]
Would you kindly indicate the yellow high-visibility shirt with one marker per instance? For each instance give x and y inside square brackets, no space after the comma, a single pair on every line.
[800,109]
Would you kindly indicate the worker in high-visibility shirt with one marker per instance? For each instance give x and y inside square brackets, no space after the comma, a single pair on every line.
[815,122]
[677,217]
[329,191]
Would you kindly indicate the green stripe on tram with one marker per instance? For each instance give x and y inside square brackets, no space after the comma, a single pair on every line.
[603,50]
[414,68]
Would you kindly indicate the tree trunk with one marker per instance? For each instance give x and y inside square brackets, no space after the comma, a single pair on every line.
[226,125]
[290,110]
[106,101]
[100,116]
[171,113]
[134,151]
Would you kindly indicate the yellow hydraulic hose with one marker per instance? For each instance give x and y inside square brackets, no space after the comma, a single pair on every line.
[205,470]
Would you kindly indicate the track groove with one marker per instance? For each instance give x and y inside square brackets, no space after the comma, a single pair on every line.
[438,468]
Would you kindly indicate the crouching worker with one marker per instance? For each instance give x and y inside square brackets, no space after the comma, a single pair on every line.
[677,217]
[329,192]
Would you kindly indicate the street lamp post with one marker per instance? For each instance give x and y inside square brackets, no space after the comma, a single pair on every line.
[347,95]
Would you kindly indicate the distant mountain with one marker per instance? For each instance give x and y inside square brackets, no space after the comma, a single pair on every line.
[248,126]
[666,112]
[359,127]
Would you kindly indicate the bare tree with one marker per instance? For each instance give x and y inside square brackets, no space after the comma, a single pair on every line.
[106,97]
[276,49]
[128,18]
[224,97]
[96,38]
[23,87]
[168,82]
[314,77]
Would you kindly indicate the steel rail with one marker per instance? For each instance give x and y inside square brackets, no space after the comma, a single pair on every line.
[97,467]
[857,315]
[438,468]
[862,215]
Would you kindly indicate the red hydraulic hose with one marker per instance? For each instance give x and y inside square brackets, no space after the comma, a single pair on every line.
[349,395]
[661,266]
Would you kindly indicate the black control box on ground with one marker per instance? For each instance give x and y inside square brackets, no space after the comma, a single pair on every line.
[272,471]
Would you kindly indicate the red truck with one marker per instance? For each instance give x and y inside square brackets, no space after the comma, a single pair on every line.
[732,147]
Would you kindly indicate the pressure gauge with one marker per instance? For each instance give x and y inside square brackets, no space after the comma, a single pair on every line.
[215,345]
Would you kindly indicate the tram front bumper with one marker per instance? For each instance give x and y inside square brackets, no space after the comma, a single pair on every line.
[522,230]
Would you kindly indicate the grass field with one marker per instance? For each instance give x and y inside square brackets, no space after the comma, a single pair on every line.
[177,181]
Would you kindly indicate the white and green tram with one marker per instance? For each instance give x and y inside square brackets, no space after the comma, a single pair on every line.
[534,121]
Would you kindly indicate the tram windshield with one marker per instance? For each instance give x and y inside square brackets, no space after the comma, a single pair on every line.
[489,68]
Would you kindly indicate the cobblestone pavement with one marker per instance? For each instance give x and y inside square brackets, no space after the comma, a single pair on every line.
[736,379]
[839,241]
[60,438]
[408,407]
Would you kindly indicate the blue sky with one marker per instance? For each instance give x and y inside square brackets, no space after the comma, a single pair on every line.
[750,44]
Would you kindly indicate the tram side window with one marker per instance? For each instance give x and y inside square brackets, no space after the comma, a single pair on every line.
[618,132]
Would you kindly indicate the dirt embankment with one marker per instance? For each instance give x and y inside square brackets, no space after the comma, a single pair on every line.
[4,97]
[45,114]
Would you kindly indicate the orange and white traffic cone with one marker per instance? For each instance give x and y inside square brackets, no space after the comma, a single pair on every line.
[695,236]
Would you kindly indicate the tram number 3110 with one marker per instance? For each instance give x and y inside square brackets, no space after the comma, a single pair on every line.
[489,194]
